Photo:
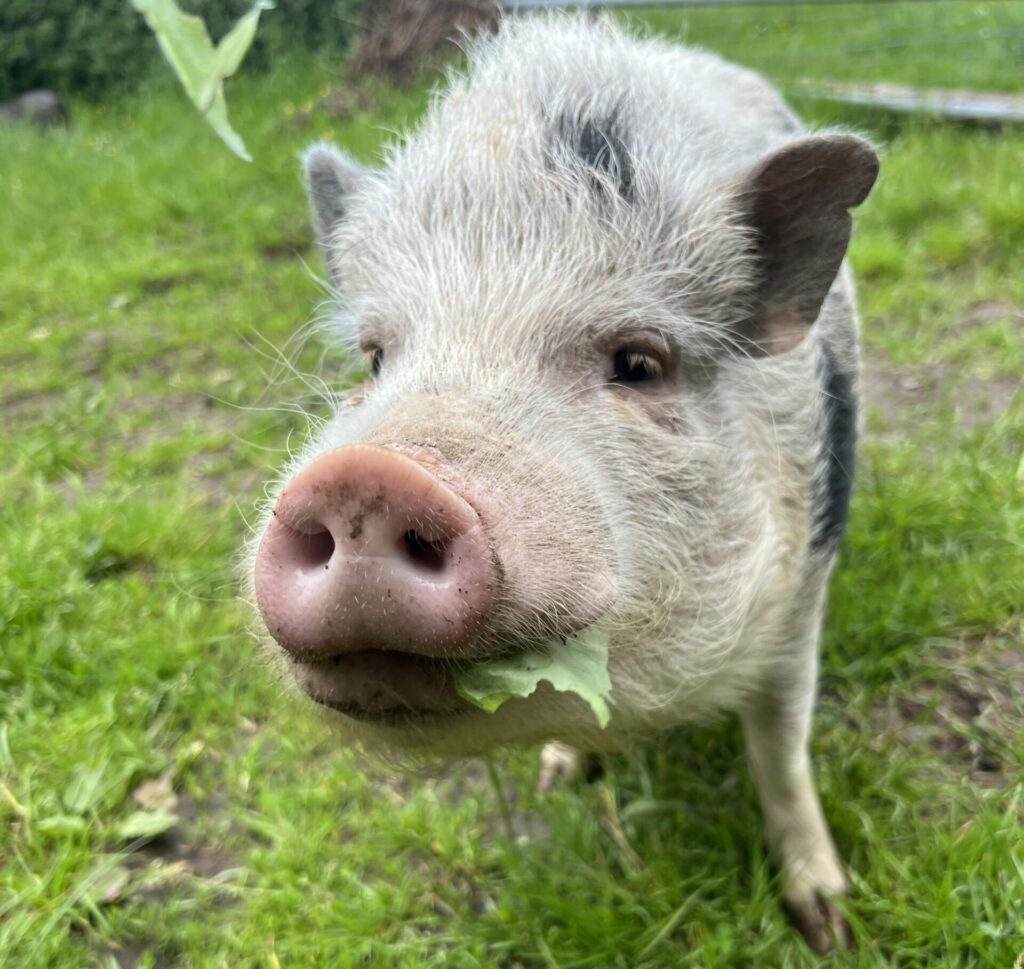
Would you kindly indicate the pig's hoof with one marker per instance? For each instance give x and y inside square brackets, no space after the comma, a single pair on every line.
[560,764]
[818,919]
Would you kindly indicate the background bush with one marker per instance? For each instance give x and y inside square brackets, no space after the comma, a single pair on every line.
[94,48]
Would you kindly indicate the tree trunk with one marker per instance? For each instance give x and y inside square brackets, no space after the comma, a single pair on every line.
[397,34]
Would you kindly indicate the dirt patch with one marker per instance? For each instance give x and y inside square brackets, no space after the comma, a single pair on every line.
[289,246]
[132,956]
[102,563]
[907,396]
[28,406]
[974,719]
[155,285]
[203,467]
[165,418]
[991,311]
[454,782]
[344,103]
[181,847]
[165,867]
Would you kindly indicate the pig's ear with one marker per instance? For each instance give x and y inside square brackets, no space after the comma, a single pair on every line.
[331,178]
[796,201]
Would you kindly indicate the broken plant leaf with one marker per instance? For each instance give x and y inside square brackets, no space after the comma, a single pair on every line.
[111,885]
[157,795]
[574,664]
[60,824]
[146,824]
[201,67]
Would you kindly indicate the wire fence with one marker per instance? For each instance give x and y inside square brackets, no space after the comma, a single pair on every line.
[953,58]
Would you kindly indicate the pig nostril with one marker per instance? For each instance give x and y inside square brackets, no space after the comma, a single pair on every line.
[429,556]
[315,549]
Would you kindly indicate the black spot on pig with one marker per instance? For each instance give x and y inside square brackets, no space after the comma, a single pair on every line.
[830,497]
[599,143]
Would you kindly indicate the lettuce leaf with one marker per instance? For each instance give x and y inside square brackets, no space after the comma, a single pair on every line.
[573,664]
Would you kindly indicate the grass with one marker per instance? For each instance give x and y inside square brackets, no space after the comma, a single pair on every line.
[150,280]
[942,43]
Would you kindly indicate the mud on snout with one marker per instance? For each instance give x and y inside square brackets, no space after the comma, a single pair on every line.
[383,565]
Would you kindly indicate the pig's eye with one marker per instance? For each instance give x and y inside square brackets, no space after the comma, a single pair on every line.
[631,366]
[376,360]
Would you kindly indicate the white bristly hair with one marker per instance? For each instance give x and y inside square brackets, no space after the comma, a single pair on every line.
[495,267]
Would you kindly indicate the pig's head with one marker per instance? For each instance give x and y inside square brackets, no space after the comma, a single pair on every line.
[562,304]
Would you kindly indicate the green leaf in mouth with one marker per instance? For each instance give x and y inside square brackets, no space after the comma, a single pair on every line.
[577,663]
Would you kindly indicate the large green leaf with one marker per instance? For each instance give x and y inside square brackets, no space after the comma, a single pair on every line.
[200,66]
[573,664]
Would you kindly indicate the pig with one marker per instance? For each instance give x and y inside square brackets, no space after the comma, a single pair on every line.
[612,355]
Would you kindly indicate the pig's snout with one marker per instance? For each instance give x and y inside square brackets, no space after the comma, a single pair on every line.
[368,550]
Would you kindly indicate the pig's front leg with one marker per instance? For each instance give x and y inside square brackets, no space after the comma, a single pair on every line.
[776,724]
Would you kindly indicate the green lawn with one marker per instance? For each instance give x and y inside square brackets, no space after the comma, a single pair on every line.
[155,300]
[940,43]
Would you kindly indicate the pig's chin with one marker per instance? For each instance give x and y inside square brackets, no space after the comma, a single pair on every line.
[378,686]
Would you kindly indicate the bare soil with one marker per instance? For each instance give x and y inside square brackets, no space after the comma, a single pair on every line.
[905,396]
[972,719]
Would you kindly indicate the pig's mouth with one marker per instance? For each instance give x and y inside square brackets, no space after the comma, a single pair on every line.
[373,574]
[381,686]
